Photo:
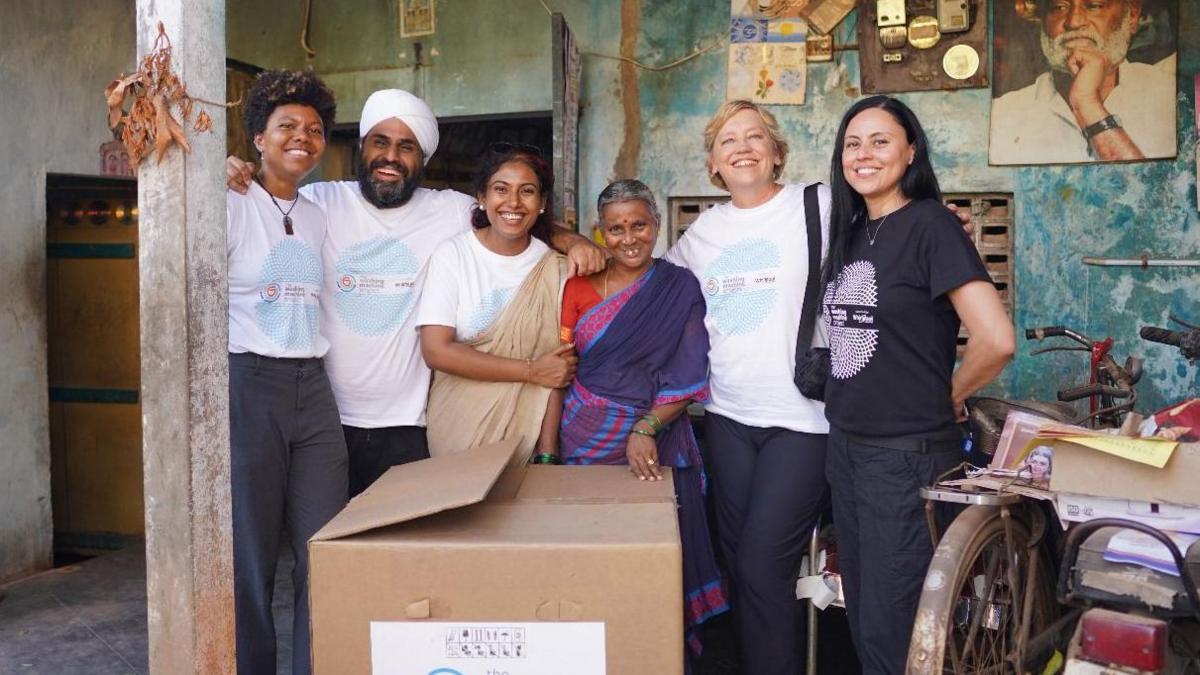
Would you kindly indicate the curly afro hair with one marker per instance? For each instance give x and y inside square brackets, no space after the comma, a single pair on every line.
[274,88]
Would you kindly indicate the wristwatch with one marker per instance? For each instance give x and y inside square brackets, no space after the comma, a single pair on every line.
[1110,122]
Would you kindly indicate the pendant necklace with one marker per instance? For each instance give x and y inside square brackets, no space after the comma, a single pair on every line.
[867,225]
[287,215]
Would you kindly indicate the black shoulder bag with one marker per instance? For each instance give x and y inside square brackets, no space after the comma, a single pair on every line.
[812,363]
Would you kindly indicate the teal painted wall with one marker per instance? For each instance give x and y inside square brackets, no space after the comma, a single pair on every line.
[494,57]
[486,57]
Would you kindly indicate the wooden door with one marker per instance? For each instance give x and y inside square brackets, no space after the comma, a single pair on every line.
[94,376]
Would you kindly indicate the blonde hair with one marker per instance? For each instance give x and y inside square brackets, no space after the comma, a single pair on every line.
[727,110]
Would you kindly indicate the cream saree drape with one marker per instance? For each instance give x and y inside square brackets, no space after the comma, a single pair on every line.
[464,413]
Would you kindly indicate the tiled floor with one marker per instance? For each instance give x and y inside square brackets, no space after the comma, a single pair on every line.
[90,618]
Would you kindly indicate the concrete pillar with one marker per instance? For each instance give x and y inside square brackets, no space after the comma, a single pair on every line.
[184,324]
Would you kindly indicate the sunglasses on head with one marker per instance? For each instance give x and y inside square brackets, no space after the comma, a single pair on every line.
[504,147]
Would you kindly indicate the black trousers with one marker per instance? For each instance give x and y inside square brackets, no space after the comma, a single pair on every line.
[883,540]
[288,469]
[769,488]
[374,451]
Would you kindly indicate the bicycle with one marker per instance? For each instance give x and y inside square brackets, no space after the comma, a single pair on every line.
[989,601]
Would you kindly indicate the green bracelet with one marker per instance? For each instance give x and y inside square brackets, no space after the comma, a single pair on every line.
[545,458]
[653,422]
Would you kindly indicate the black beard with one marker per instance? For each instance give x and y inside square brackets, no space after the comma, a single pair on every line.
[383,194]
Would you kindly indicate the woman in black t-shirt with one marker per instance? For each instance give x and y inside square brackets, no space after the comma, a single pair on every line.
[900,276]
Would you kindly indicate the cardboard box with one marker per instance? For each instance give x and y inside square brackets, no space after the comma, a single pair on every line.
[1081,470]
[458,565]
[1078,508]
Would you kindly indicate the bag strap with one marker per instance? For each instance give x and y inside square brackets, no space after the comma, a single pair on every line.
[809,312]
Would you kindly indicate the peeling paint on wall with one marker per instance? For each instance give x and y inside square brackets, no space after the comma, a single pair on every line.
[626,165]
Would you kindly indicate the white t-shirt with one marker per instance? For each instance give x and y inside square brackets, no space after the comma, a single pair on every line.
[274,278]
[372,260]
[752,265]
[466,286]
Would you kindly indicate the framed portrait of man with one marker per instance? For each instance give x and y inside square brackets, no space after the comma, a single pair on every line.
[1079,81]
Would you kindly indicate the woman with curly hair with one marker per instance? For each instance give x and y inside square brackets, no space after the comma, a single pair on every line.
[287,451]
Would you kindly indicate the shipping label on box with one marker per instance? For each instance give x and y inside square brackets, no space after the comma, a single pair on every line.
[487,648]
[1077,508]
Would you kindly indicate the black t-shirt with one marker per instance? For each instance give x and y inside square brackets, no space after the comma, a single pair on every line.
[892,329]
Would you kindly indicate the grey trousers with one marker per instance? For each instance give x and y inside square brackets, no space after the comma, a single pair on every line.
[289,470]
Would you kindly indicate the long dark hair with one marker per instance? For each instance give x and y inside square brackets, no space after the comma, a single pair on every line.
[499,154]
[849,209]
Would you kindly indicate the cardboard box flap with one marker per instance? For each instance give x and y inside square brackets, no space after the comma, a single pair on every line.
[422,488]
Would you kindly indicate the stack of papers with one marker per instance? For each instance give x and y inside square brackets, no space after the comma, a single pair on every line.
[1131,546]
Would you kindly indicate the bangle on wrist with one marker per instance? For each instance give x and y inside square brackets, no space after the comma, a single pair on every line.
[643,432]
[529,370]
[653,422]
[545,458]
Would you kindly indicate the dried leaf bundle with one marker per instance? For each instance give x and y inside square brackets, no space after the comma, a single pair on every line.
[152,91]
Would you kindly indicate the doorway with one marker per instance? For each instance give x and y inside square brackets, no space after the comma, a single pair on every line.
[93,362]
[463,141]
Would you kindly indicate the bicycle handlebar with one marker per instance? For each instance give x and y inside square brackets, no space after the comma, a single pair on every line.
[1164,336]
[1076,393]
[1045,332]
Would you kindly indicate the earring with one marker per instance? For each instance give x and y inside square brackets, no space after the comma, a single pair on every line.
[541,210]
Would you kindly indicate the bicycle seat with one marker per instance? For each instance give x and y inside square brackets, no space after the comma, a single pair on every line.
[1125,584]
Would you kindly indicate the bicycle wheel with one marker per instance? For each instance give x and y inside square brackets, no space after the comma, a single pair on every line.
[972,615]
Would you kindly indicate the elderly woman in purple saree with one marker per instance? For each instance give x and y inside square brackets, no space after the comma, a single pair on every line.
[643,356]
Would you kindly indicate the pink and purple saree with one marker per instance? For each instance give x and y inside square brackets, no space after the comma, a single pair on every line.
[644,347]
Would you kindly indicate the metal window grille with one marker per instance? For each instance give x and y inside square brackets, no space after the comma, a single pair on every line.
[684,211]
[992,215]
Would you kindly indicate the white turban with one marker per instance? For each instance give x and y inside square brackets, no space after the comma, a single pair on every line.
[388,103]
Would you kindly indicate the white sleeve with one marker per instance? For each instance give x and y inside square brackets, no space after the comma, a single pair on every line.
[825,202]
[678,253]
[316,193]
[437,284]
[464,206]
[235,216]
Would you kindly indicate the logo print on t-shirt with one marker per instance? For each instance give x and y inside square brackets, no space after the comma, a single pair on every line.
[287,309]
[741,285]
[376,282]
[850,317]
[488,310]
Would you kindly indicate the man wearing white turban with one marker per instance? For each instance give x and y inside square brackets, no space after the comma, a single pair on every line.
[382,229]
